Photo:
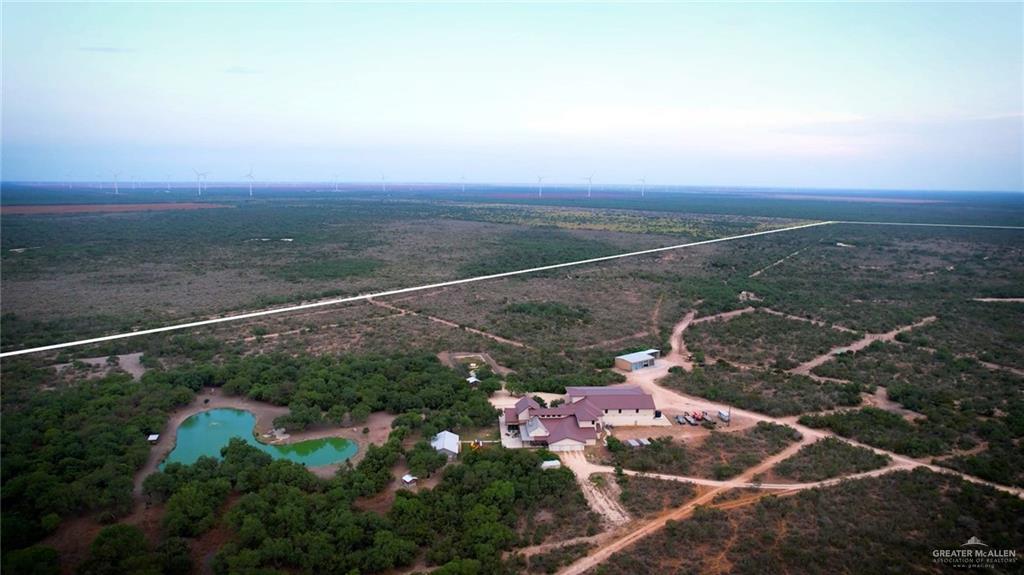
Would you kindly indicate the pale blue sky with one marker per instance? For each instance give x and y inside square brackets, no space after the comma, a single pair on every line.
[810,95]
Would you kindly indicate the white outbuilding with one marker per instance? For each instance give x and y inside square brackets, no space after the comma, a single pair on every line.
[637,360]
[446,442]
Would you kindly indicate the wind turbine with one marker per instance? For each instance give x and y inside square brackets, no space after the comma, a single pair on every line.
[540,186]
[116,176]
[167,182]
[590,184]
[643,187]
[335,183]
[68,177]
[383,184]
[463,180]
[133,183]
[199,180]
[250,178]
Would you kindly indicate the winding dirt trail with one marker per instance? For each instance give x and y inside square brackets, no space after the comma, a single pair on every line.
[724,316]
[816,322]
[806,367]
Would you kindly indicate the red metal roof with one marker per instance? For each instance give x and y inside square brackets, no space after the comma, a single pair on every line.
[566,427]
[626,397]
[526,402]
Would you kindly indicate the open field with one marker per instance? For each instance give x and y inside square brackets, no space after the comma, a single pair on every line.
[264,253]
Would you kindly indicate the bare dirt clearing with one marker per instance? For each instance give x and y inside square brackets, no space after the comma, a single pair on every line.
[129,363]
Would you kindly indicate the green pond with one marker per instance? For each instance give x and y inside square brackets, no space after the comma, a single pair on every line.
[205,433]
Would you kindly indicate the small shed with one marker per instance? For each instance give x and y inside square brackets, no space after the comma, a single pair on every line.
[551,464]
[446,442]
[152,438]
[637,360]
[472,380]
[408,479]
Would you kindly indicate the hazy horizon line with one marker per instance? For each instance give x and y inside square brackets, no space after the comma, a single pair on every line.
[126,185]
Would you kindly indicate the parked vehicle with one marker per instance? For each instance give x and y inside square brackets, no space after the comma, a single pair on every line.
[680,420]
[723,415]
[690,420]
[698,416]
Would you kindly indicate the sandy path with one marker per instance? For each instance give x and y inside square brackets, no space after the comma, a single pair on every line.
[545,547]
[724,316]
[599,500]
[1000,299]
[765,465]
[771,265]
[816,322]
[998,367]
[656,315]
[327,326]
[806,367]
[451,324]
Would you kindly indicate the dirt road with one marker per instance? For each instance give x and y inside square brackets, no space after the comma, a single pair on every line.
[1000,299]
[773,264]
[599,501]
[725,316]
[451,324]
[806,367]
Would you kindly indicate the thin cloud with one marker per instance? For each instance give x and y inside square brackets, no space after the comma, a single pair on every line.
[241,70]
[107,49]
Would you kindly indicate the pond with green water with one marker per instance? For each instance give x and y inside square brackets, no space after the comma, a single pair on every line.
[205,433]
